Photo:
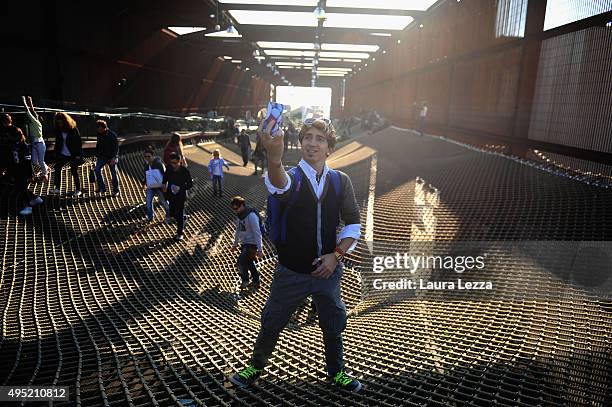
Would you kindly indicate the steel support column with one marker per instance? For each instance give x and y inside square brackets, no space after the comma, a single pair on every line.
[536,11]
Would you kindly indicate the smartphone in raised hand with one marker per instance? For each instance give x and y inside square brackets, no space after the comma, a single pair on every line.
[274,117]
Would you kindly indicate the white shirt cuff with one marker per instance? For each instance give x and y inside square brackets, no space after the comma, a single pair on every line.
[273,190]
[353,230]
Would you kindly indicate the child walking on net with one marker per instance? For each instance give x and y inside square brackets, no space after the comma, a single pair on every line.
[215,168]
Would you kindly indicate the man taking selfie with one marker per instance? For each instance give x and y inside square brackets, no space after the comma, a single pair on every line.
[304,210]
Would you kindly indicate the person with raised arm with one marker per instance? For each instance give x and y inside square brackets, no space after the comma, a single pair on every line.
[305,206]
[39,147]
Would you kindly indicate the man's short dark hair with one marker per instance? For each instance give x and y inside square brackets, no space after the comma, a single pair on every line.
[327,129]
[102,124]
[174,156]
[6,118]
[238,201]
[149,150]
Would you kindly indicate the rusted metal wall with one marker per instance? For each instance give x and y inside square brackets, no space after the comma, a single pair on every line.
[451,63]
[573,96]
[486,67]
[483,93]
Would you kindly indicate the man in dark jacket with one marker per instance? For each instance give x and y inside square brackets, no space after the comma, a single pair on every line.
[107,153]
[259,155]
[22,171]
[245,145]
[177,180]
[9,138]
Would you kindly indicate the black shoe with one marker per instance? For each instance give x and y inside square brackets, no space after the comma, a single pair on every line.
[345,382]
[246,377]
[244,285]
[116,194]
[178,238]
[256,285]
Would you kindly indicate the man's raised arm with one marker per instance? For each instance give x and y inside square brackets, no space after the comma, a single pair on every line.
[274,151]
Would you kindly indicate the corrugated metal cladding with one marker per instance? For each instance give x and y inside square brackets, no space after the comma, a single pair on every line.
[476,64]
[561,12]
[432,64]
[573,97]
[484,92]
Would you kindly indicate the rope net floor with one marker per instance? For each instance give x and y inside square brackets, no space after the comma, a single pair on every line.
[94,299]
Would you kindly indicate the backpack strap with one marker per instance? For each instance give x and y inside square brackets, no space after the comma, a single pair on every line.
[335,179]
[297,179]
[256,212]
[253,210]
[336,184]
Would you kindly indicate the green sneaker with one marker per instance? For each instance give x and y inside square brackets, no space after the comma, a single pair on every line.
[246,377]
[345,382]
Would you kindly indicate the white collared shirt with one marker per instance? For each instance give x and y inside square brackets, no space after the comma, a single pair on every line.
[311,174]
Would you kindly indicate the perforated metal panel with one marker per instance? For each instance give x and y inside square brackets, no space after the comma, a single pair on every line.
[573,94]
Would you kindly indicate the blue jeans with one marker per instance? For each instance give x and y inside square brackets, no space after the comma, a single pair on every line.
[217,180]
[288,291]
[38,156]
[151,193]
[101,162]
[245,264]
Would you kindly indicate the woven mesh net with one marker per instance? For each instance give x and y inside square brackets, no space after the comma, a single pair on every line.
[94,299]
